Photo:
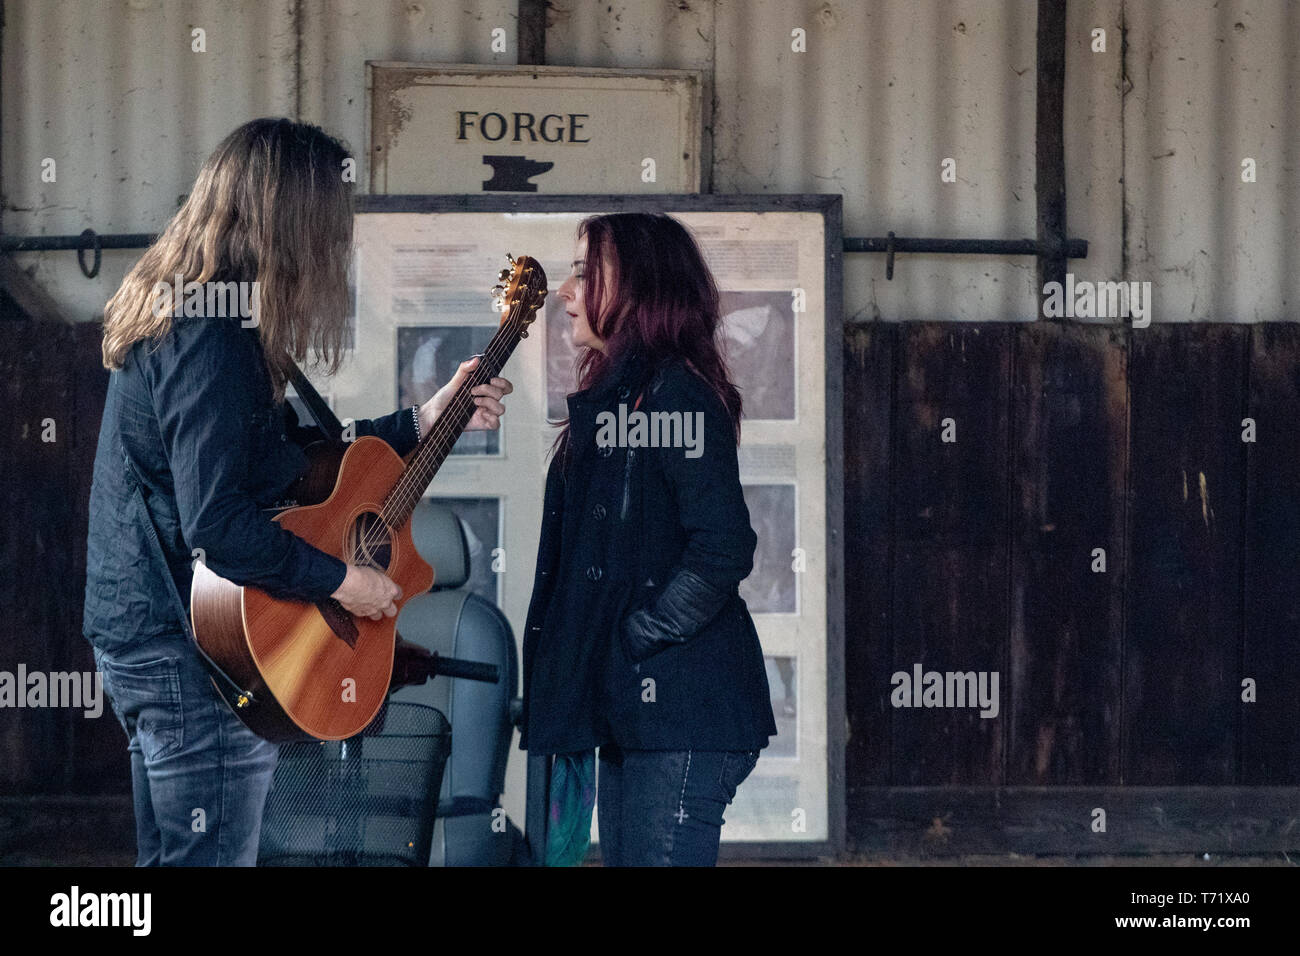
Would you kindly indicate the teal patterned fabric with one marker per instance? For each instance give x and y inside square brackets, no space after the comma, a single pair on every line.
[572,798]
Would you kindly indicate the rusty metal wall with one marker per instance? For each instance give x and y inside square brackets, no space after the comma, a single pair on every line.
[113,94]
[112,90]
[885,91]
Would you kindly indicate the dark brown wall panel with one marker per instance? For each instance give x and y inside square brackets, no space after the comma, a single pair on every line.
[1070,435]
[1270,741]
[868,413]
[50,371]
[1183,634]
[37,548]
[951,538]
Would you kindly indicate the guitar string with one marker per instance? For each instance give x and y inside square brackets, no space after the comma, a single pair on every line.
[405,494]
[401,493]
[377,533]
[407,491]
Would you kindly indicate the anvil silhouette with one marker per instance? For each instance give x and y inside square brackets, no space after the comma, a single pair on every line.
[511,174]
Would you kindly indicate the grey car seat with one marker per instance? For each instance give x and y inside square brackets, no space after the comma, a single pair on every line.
[471,827]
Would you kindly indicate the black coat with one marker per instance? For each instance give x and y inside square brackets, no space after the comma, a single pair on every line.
[618,523]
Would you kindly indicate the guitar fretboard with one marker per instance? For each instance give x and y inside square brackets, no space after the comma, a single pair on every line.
[434,447]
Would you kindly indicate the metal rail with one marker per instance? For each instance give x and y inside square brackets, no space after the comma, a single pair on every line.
[93,242]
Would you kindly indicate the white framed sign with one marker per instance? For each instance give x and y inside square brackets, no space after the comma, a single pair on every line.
[460,128]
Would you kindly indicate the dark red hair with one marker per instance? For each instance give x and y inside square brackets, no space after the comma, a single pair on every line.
[663,302]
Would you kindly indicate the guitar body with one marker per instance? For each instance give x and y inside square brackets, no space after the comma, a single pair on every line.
[310,677]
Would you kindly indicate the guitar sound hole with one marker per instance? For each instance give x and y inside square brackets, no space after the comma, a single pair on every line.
[371,542]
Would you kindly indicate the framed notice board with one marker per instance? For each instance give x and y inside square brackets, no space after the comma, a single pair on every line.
[423,268]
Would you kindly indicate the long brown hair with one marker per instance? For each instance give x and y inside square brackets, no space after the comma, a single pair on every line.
[662,303]
[271,206]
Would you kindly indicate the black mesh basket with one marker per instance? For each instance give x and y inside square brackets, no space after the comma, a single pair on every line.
[369,800]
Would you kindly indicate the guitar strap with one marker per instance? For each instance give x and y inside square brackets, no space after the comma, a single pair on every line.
[324,416]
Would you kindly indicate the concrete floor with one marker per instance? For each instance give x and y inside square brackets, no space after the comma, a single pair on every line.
[100,832]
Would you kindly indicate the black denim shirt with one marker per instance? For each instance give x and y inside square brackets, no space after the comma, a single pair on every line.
[194,414]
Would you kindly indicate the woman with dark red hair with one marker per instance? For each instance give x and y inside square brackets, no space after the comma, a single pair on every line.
[637,641]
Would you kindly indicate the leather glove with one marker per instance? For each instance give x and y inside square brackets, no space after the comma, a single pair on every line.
[685,605]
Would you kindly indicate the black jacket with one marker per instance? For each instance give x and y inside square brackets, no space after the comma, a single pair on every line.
[193,414]
[641,551]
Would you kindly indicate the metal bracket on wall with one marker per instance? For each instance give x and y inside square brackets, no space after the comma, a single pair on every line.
[890,244]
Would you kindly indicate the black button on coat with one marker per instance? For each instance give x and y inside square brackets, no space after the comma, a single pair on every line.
[618,522]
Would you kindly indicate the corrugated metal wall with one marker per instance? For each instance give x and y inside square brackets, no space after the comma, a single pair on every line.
[887,89]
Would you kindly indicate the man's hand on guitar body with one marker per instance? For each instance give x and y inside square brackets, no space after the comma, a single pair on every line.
[366,592]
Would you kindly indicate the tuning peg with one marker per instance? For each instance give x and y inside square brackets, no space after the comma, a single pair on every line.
[498,290]
[503,275]
[511,258]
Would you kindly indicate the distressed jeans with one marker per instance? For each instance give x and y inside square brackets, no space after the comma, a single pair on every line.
[664,807]
[199,777]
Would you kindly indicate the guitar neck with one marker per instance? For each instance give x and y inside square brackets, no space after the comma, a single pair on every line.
[434,447]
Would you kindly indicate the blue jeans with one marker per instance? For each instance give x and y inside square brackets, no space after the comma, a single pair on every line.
[664,807]
[199,777]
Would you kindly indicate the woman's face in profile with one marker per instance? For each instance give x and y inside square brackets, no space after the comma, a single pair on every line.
[571,291]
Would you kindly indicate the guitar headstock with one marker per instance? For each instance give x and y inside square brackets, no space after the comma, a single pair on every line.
[520,292]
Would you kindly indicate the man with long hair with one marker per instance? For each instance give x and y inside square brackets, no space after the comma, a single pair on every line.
[195,420]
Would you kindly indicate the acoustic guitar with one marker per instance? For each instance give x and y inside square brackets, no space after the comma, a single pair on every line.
[294,670]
